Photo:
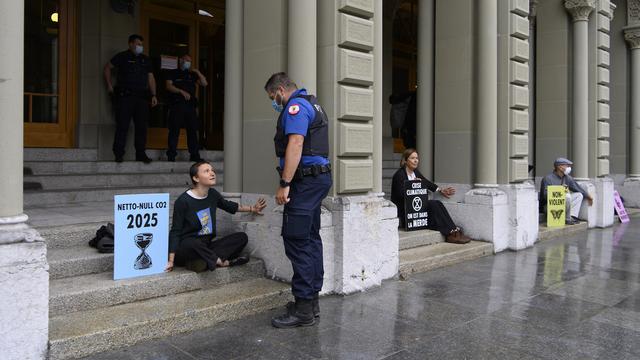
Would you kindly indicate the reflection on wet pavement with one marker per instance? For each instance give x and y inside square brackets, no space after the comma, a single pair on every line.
[573,298]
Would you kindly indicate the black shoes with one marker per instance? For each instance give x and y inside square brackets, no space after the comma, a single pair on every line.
[196,158]
[315,306]
[119,159]
[572,222]
[171,158]
[300,314]
[240,260]
[144,158]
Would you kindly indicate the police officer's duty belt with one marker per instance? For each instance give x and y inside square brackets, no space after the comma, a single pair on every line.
[314,170]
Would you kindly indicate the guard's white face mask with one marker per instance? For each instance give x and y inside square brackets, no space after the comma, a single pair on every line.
[567,170]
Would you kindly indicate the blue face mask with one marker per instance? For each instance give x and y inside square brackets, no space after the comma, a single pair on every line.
[277,107]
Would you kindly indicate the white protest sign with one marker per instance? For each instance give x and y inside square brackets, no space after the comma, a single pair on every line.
[141,235]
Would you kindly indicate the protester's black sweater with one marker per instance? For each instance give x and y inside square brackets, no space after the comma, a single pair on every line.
[197,217]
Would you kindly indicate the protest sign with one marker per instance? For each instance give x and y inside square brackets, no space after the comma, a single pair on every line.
[619,206]
[415,205]
[556,205]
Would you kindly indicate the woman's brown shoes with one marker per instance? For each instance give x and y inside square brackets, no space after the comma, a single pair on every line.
[457,237]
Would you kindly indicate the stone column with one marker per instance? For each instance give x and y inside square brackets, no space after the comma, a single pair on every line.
[632,36]
[533,6]
[424,136]
[486,174]
[24,294]
[631,188]
[302,44]
[580,11]
[233,109]
[378,99]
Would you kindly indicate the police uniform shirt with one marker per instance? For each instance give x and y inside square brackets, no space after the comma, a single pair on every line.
[296,118]
[183,80]
[133,70]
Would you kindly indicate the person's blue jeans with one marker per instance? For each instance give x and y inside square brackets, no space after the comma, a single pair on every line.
[301,233]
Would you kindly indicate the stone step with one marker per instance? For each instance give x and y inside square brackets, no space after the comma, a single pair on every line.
[87,292]
[547,233]
[413,239]
[76,261]
[388,173]
[109,167]
[430,257]
[88,332]
[390,164]
[55,155]
[106,181]
[74,234]
[40,198]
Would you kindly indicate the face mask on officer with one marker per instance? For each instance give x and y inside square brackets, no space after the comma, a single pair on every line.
[186,65]
[139,49]
[567,170]
[274,103]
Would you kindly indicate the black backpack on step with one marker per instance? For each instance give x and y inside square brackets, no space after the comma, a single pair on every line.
[104,239]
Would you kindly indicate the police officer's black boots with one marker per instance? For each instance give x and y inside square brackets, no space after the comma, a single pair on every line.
[301,314]
[315,303]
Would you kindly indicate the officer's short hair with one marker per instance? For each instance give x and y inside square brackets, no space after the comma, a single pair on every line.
[279,79]
[134,37]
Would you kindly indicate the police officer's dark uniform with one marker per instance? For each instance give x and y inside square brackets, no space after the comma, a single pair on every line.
[131,100]
[182,113]
[302,115]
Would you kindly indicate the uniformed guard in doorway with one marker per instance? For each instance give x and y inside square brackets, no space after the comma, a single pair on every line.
[302,145]
[134,88]
[181,84]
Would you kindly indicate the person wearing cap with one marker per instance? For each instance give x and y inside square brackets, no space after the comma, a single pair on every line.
[575,195]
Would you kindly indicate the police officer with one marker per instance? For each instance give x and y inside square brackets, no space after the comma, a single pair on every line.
[135,83]
[181,85]
[302,145]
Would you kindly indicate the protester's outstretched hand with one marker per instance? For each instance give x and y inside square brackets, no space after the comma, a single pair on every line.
[259,206]
[448,192]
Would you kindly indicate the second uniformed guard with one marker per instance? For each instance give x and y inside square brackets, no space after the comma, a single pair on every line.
[135,83]
[302,145]
[181,84]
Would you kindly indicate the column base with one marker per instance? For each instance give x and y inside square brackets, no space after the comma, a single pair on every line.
[359,236]
[25,290]
[588,213]
[630,192]
[506,216]
[603,201]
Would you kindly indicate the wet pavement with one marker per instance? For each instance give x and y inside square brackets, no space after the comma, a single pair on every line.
[573,298]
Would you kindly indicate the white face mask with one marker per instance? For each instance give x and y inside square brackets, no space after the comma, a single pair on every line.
[139,49]
[186,65]
[567,170]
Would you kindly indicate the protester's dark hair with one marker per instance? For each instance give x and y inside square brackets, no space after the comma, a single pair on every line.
[193,170]
[134,37]
[279,79]
[406,154]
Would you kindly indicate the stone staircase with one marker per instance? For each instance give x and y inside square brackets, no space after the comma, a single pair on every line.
[390,165]
[424,250]
[66,176]
[89,312]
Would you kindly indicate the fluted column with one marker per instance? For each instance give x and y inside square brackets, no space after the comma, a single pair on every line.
[424,124]
[580,11]
[632,36]
[302,44]
[233,121]
[487,95]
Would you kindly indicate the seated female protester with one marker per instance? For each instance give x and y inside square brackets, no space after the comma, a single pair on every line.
[191,239]
[439,218]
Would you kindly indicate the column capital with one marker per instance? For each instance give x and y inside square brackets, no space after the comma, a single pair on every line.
[632,36]
[580,9]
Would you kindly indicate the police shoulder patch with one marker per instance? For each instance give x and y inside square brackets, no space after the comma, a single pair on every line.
[294,109]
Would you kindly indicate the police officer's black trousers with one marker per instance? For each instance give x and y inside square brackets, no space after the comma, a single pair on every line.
[301,234]
[226,248]
[127,107]
[183,115]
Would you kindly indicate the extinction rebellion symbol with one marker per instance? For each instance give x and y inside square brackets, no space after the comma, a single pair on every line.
[417,203]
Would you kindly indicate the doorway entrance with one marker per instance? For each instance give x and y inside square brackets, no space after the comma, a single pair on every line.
[171,29]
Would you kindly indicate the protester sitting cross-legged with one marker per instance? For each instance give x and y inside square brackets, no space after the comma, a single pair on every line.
[575,193]
[191,239]
[439,218]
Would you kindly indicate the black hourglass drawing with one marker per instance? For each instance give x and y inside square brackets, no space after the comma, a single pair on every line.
[143,261]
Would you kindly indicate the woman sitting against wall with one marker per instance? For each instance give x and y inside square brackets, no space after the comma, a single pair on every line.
[439,218]
[191,239]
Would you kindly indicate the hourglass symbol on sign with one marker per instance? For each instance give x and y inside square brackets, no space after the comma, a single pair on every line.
[143,261]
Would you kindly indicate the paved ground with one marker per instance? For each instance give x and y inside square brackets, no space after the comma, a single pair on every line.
[574,298]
